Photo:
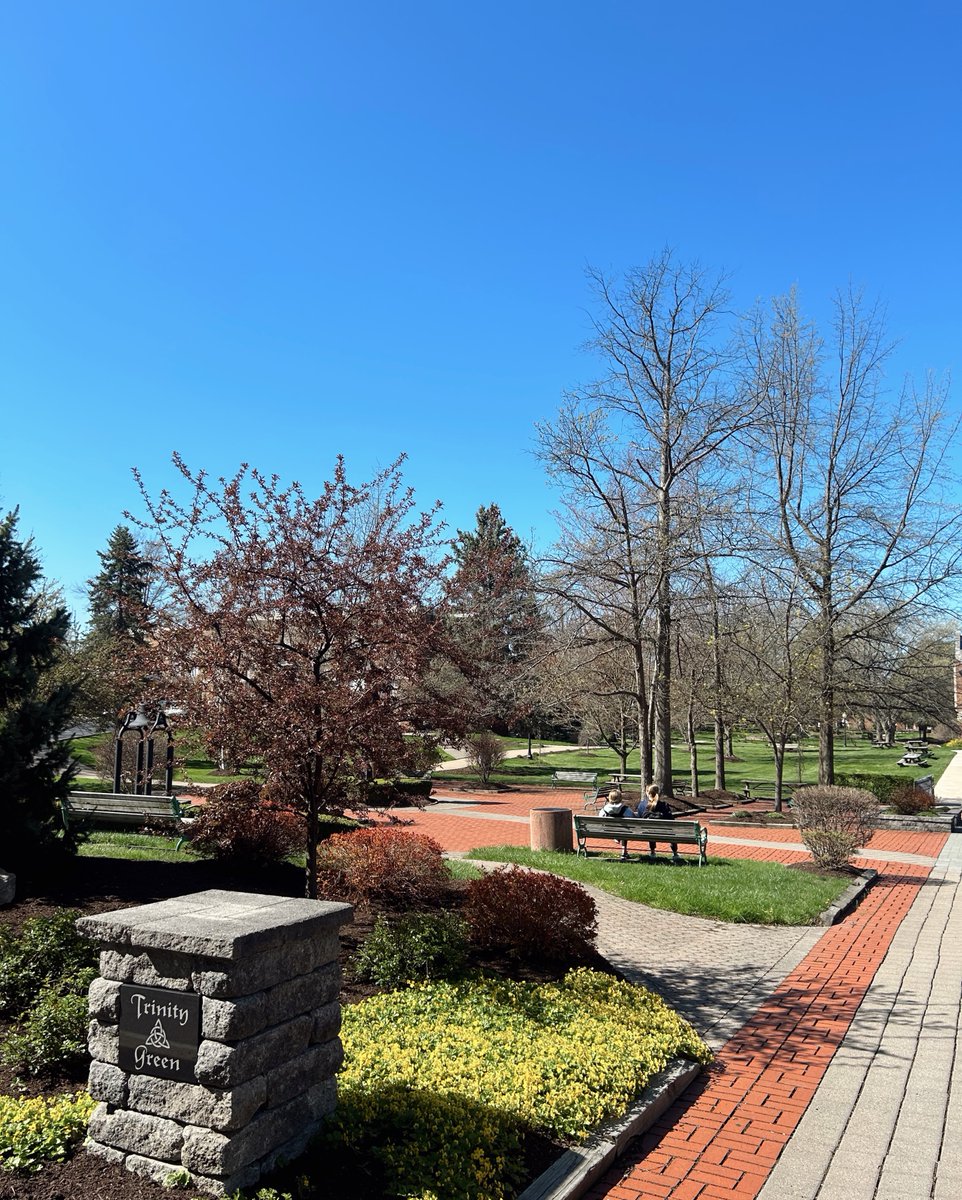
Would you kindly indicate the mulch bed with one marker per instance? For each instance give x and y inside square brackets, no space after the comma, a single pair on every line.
[93,885]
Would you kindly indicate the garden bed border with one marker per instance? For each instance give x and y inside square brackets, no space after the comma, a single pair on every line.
[571,1175]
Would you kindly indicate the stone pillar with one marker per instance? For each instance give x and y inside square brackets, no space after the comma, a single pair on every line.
[214,1034]
[551,829]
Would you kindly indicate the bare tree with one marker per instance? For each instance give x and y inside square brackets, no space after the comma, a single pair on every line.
[667,401]
[851,489]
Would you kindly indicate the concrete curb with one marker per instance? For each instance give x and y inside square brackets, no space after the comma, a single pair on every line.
[577,1170]
[849,898]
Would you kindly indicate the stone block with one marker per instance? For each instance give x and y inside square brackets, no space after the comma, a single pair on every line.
[213,1154]
[107,1153]
[192,1104]
[218,924]
[153,1137]
[103,1001]
[8,887]
[327,1022]
[303,1073]
[154,1168]
[108,1084]
[103,1042]
[266,970]
[232,1020]
[225,1066]
[149,970]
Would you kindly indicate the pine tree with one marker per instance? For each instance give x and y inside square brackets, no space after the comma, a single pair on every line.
[118,592]
[495,614]
[34,763]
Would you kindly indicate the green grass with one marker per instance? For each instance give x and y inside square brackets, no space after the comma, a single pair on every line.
[461,869]
[753,760]
[737,890]
[137,847]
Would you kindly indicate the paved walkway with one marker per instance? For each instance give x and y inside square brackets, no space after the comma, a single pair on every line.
[839,1065]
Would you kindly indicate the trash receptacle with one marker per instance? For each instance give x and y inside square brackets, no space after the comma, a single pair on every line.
[551,829]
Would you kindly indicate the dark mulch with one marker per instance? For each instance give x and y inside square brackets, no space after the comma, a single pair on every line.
[93,885]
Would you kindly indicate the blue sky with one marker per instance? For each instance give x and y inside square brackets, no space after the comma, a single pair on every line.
[273,232]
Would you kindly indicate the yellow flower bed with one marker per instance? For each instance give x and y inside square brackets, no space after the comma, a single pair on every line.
[441,1080]
[36,1130]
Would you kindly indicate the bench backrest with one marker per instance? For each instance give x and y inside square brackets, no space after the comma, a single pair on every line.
[576,776]
[115,802]
[638,827]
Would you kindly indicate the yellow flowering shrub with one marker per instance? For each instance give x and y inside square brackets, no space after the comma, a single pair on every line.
[37,1130]
[440,1080]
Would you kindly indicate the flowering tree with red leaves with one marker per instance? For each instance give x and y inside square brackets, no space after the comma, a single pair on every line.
[300,629]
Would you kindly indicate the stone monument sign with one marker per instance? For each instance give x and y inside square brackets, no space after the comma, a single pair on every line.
[214,1034]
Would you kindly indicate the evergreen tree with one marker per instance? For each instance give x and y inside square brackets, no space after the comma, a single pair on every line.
[34,763]
[118,593]
[495,617]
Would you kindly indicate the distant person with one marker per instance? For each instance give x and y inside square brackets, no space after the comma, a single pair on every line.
[658,808]
[615,806]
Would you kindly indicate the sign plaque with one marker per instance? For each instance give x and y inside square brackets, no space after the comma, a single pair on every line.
[159,1032]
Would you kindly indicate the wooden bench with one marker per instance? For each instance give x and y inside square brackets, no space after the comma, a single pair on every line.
[641,829]
[115,809]
[589,777]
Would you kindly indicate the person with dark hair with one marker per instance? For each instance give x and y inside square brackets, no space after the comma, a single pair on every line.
[658,808]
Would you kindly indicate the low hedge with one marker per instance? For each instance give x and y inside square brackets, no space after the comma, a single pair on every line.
[881,786]
[396,791]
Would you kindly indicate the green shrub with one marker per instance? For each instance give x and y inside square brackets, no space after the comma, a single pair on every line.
[397,791]
[834,821]
[382,864]
[54,1032]
[240,826]
[46,950]
[534,914]
[415,946]
[37,1130]
[881,786]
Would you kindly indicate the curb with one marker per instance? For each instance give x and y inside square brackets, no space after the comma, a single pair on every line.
[849,898]
[577,1170]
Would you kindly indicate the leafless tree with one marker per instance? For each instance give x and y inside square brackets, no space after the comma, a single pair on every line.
[850,491]
[659,416]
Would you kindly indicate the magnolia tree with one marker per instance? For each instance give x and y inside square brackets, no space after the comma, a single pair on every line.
[299,629]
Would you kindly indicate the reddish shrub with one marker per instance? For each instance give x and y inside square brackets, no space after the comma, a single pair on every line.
[834,821]
[536,915]
[909,800]
[237,825]
[382,864]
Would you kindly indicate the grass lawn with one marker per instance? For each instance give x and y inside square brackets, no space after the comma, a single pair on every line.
[737,890]
[753,760]
[137,847]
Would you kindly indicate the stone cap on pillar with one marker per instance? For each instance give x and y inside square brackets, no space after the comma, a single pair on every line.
[216,923]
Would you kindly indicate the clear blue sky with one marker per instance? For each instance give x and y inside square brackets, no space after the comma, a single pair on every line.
[277,231]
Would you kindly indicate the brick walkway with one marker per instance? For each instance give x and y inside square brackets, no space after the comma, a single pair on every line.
[724,1137]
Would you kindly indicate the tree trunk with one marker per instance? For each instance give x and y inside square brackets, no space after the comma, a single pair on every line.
[313,832]
[826,707]
[778,746]
[692,746]
[644,727]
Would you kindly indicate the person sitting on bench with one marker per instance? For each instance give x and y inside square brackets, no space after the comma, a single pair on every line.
[659,809]
[615,806]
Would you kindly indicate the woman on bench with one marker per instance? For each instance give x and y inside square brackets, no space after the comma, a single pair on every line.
[656,807]
[615,806]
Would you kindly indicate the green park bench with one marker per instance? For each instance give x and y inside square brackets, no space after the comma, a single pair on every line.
[641,829]
[118,810]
